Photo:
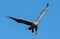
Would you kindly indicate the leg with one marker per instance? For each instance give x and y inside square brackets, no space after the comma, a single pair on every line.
[32,30]
[36,29]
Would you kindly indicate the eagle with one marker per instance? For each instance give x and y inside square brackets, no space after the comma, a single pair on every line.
[33,26]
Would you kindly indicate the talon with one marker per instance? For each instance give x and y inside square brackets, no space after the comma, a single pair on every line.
[35,32]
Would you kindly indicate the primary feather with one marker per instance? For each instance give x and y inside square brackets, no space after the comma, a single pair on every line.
[21,20]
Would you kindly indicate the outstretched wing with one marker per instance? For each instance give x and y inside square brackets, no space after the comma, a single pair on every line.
[42,13]
[21,20]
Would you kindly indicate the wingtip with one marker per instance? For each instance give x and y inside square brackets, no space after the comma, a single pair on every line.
[9,17]
[47,4]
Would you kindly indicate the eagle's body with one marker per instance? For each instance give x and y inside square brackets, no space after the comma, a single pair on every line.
[32,25]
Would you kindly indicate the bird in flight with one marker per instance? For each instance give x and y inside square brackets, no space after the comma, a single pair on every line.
[32,25]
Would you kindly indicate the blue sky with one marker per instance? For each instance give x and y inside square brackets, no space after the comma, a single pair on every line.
[49,25]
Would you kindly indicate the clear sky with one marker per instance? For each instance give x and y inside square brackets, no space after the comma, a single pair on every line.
[49,25]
